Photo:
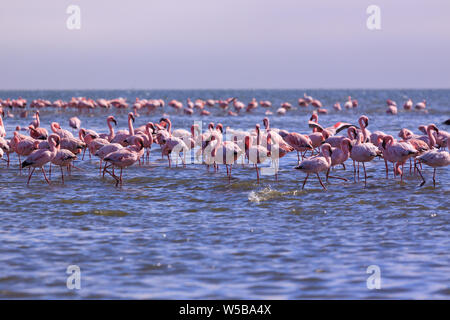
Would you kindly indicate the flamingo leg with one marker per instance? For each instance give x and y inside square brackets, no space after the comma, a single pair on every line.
[62,174]
[304,181]
[420,173]
[257,172]
[365,174]
[320,180]
[29,177]
[20,164]
[50,171]
[45,176]
[434,177]
[387,169]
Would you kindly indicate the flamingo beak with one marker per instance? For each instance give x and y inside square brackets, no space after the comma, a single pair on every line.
[115,122]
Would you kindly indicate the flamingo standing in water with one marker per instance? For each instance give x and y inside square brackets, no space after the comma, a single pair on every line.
[22,145]
[256,154]
[125,157]
[62,158]
[362,152]
[75,123]
[435,159]
[122,135]
[349,103]
[36,132]
[109,136]
[277,148]
[316,164]
[397,153]
[339,155]
[408,104]
[421,105]
[62,133]
[300,143]
[40,157]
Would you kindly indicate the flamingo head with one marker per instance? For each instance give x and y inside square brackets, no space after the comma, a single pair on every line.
[131,116]
[266,122]
[432,127]
[112,119]
[365,119]
[326,148]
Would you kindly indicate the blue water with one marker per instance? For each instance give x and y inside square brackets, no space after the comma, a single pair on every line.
[188,233]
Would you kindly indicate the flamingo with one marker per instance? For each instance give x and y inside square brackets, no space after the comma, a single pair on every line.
[22,146]
[421,105]
[124,158]
[435,159]
[256,154]
[363,152]
[339,156]
[349,103]
[40,157]
[75,123]
[56,128]
[397,152]
[62,158]
[408,104]
[316,164]
[109,136]
[277,148]
[121,135]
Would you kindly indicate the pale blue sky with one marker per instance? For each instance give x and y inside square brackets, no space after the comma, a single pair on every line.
[150,44]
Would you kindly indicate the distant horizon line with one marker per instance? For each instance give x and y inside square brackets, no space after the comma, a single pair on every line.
[223,89]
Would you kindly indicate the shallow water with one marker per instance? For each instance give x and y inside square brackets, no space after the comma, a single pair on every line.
[188,233]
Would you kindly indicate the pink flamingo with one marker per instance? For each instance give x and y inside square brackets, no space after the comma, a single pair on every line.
[421,105]
[339,156]
[316,164]
[349,103]
[121,135]
[397,152]
[22,146]
[277,148]
[392,110]
[40,157]
[109,136]
[408,104]
[435,159]
[256,154]
[75,123]
[38,133]
[363,152]
[62,133]
[124,158]
[62,158]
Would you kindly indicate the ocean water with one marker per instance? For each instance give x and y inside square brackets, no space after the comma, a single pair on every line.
[188,233]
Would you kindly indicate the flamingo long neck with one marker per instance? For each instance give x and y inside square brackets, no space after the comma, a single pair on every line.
[432,140]
[130,126]
[38,121]
[169,123]
[363,129]
[1,122]
[54,127]
[111,129]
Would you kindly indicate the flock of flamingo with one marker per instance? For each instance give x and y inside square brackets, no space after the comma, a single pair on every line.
[123,148]
[83,103]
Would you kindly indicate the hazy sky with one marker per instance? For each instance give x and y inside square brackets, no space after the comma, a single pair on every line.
[150,44]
